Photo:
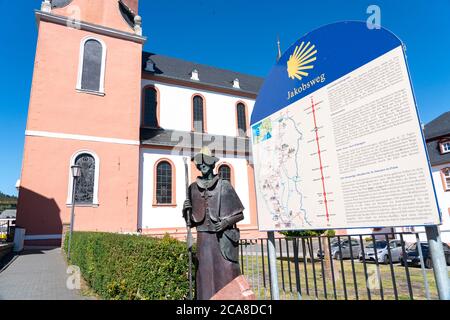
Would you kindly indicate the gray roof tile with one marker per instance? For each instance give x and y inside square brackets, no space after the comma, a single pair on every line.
[438,127]
[180,69]
[435,155]
[434,131]
[188,140]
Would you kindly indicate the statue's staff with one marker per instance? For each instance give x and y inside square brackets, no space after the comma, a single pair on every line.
[188,227]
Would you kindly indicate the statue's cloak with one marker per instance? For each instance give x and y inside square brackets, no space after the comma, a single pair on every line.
[217,252]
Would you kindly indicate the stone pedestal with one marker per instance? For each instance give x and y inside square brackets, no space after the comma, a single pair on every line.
[238,289]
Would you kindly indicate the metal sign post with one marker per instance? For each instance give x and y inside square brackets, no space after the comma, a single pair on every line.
[72,217]
[273,266]
[76,173]
[439,263]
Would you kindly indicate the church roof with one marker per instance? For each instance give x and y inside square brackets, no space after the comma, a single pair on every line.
[435,131]
[438,127]
[179,69]
[184,140]
[435,155]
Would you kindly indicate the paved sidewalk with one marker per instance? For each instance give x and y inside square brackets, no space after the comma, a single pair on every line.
[37,275]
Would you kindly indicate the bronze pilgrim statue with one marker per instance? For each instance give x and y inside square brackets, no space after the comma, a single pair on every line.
[214,209]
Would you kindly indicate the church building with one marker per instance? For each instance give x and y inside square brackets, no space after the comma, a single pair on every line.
[128,118]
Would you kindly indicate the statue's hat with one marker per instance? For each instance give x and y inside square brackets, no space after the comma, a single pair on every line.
[204,156]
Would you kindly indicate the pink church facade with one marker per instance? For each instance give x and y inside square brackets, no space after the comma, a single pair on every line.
[99,101]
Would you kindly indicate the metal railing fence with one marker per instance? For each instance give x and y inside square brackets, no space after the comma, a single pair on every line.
[6,231]
[345,267]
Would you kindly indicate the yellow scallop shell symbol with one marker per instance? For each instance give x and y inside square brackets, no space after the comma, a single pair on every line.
[300,61]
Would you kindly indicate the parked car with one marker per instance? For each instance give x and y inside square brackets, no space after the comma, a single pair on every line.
[381,246]
[344,251]
[3,233]
[413,257]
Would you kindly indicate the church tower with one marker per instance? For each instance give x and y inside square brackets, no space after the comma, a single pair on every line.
[84,110]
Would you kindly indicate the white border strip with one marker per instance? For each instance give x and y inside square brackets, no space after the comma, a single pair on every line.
[43,237]
[47,134]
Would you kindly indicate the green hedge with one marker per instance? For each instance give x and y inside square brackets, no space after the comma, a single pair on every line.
[131,267]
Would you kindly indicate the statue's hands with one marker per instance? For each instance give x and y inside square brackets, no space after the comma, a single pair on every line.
[187,209]
[222,225]
[187,206]
[228,222]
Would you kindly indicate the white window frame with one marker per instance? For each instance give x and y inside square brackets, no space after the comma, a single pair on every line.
[95,202]
[442,144]
[444,179]
[103,66]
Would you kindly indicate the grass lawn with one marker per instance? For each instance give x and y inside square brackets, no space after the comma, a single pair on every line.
[355,283]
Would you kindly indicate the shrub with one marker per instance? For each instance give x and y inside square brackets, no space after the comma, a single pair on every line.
[131,267]
[330,233]
[308,233]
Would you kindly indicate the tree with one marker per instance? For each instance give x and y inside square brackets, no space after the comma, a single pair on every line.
[7,201]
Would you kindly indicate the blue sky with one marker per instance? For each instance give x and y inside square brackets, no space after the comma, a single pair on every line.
[233,34]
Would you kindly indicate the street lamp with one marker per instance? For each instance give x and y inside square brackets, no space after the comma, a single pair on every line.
[76,173]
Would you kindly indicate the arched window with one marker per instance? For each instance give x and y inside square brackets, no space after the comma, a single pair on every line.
[150,116]
[86,188]
[225,172]
[241,120]
[165,184]
[92,66]
[198,114]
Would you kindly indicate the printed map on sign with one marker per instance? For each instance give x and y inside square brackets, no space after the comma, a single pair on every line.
[262,131]
[280,180]
[291,179]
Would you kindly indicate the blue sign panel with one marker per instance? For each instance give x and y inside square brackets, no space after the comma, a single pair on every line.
[336,136]
[339,49]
